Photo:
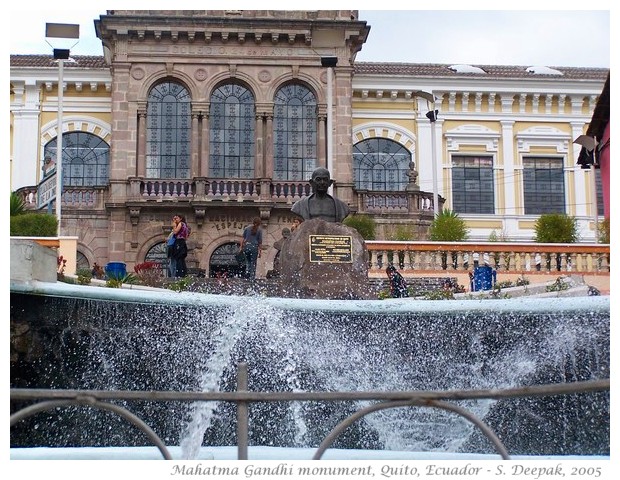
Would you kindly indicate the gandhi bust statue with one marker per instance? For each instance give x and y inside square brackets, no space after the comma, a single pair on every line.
[321,204]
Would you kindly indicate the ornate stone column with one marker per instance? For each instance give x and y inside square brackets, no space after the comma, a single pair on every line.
[265,172]
[194,145]
[204,145]
[141,167]
[511,207]
[269,144]
[322,137]
[260,169]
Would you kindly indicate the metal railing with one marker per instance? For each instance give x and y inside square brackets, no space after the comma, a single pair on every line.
[100,399]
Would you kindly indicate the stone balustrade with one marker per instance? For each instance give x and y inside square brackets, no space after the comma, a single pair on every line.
[241,190]
[395,202]
[507,257]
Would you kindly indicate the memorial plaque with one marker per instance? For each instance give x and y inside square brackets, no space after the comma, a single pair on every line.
[331,248]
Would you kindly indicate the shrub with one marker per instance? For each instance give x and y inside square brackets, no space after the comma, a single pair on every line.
[364,224]
[604,232]
[180,285]
[447,226]
[34,225]
[18,206]
[557,286]
[84,276]
[116,281]
[403,233]
[149,273]
[556,228]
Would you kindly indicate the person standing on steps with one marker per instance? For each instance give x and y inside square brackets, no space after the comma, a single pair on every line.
[179,252]
[251,244]
[170,245]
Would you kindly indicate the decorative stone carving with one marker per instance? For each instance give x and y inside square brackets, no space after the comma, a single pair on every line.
[200,74]
[137,73]
[264,76]
[199,215]
[134,215]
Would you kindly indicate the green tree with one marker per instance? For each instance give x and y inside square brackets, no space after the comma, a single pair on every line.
[556,228]
[364,224]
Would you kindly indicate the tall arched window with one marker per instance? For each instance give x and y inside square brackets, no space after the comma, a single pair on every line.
[295,133]
[85,159]
[231,137]
[168,131]
[381,164]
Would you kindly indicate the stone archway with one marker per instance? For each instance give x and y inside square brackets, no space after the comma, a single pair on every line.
[223,262]
[159,253]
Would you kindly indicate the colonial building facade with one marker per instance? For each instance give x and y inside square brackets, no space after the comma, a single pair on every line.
[221,116]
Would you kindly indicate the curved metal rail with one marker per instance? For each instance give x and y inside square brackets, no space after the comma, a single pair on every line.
[342,426]
[94,403]
[242,397]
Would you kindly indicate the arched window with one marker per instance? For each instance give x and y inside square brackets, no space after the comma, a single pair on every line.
[231,141]
[168,131]
[81,262]
[158,253]
[295,133]
[380,164]
[223,262]
[85,159]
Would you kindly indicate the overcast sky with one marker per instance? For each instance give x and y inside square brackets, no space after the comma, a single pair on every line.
[553,37]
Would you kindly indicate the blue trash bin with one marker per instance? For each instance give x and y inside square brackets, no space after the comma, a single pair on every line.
[484,278]
[116,270]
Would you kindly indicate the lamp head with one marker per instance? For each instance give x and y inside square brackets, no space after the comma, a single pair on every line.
[432,115]
[61,54]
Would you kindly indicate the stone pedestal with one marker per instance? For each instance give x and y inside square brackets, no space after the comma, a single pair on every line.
[31,261]
[320,271]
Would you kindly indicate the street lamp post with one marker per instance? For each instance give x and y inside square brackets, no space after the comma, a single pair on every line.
[432,116]
[64,31]
[590,145]
[330,63]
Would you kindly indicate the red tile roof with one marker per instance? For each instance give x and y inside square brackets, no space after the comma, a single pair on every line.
[362,68]
[44,61]
[492,71]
